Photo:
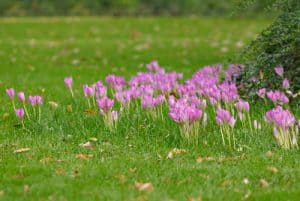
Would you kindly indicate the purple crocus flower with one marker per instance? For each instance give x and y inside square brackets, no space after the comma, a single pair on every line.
[32,100]
[280,118]
[224,117]
[20,113]
[242,106]
[10,92]
[21,97]
[105,104]
[114,115]
[277,97]
[69,82]
[279,70]
[285,83]
[261,93]
[88,91]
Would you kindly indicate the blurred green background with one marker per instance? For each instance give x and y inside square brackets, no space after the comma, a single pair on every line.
[128,7]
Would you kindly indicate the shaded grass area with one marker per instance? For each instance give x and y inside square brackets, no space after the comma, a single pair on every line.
[35,56]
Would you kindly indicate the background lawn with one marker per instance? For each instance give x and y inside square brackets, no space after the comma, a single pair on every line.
[36,54]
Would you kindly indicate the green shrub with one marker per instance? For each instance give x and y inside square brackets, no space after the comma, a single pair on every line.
[279,44]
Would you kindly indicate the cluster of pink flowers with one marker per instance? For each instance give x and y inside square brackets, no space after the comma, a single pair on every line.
[207,95]
[22,111]
[284,128]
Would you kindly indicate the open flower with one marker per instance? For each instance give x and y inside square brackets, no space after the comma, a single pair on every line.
[105,104]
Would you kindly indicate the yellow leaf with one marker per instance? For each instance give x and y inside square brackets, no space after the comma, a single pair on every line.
[175,152]
[144,186]
[82,156]
[88,145]
[22,150]
[263,183]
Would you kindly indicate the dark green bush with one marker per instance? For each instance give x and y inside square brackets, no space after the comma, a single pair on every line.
[279,44]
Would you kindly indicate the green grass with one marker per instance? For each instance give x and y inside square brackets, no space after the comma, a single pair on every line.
[35,56]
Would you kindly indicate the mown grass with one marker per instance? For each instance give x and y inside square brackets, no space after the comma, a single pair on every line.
[35,56]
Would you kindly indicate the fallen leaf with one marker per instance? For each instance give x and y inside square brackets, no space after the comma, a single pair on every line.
[175,152]
[273,169]
[226,183]
[132,170]
[46,160]
[93,139]
[69,108]
[247,195]
[22,150]
[122,178]
[202,159]
[246,181]
[195,199]
[88,145]
[82,156]
[26,188]
[144,186]
[269,154]
[53,104]
[263,183]
[60,171]
[90,112]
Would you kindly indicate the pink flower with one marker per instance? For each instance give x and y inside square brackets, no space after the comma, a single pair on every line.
[279,70]
[20,113]
[31,100]
[277,97]
[280,118]
[105,104]
[224,117]
[114,115]
[35,100]
[21,97]
[88,91]
[285,83]
[69,82]
[182,112]
[10,92]
[261,93]
[116,82]
[242,106]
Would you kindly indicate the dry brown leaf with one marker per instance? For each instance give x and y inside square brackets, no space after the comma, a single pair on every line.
[26,188]
[46,160]
[69,108]
[144,186]
[202,159]
[53,104]
[88,145]
[195,199]
[82,156]
[132,170]
[93,139]
[273,169]
[22,150]
[263,183]
[122,178]
[246,181]
[226,183]
[269,154]
[60,171]
[175,152]
[90,112]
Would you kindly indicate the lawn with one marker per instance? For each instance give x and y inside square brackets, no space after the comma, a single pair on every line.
[35,56]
